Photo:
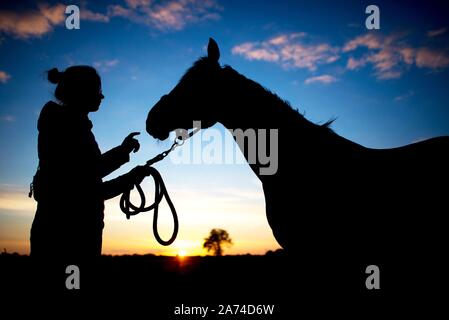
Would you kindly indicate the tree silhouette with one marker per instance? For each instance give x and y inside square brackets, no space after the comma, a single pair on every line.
[215,241]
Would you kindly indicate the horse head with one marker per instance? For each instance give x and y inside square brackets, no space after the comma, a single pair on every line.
[194,98]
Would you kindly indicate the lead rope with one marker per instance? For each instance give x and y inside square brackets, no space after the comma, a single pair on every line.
[160,191]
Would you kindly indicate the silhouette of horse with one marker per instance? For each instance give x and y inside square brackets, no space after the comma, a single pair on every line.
[331,199]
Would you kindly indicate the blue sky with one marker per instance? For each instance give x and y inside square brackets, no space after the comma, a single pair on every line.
[386,87]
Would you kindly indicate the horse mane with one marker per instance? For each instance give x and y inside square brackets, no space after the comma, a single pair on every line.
[201,63]
[264,94]
[284,105]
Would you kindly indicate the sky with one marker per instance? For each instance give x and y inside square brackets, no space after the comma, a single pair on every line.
[386,87]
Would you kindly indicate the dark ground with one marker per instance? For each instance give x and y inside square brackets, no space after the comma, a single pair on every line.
[156,285]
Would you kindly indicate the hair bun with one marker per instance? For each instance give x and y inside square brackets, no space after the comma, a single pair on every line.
[54,75]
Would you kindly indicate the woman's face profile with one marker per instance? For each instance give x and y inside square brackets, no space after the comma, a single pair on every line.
[93,97]
[96,101]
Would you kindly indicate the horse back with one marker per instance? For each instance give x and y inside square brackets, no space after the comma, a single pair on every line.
[384,203]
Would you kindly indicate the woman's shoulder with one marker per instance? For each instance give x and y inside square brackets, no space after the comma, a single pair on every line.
[51,114]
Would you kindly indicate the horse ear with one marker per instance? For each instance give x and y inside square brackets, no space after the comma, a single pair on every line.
[213,52]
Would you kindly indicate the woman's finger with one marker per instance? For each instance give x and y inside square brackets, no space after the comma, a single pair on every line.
[136,146]
[132,134]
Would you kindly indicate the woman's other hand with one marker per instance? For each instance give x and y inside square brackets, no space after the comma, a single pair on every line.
[139,173]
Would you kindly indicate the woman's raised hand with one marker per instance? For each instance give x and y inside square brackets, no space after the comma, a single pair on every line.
[130,143]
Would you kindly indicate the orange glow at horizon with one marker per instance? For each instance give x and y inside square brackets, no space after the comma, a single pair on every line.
[239,211]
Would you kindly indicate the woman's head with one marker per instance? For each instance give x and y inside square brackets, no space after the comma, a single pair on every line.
[78,86]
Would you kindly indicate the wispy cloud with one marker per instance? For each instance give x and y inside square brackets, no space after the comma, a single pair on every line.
[40,21]
[33,23]
[404,96]
[161,15]
[437,32]
[290,51]
[86,14]
[382,54]
[167,15]
[4,77]
[325,79]
[390,55]
[105,65]
[389,74]
[253,52]
[7,118]
[431,58]
[54,14]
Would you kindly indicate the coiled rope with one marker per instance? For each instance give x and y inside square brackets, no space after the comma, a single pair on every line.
[160,191]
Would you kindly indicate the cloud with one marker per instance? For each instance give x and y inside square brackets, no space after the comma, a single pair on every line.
[404,96]
[34,23]
[161,15]
[382,54]
[369,40]
[86,14]
[387,75]
[138,3]
[289,50]
[390,55]
[105,65]
[434,33]
[354,64]
[251,52]
[7,118]
[325,79]
[4,77]
[167,15]
[431,58]
[37,22]
[55,14]
[407,54]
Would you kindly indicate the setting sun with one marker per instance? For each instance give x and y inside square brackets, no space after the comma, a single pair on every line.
[182,253]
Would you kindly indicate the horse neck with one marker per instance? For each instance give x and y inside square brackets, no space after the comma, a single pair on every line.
[247,105]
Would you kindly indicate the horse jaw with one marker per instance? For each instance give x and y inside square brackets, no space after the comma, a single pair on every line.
[156,131]
[161,137]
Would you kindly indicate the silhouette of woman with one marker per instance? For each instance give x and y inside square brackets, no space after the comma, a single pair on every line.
[68,185]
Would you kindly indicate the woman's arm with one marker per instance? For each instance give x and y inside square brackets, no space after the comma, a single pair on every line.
[116,157]
[117,186]
[113,159]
